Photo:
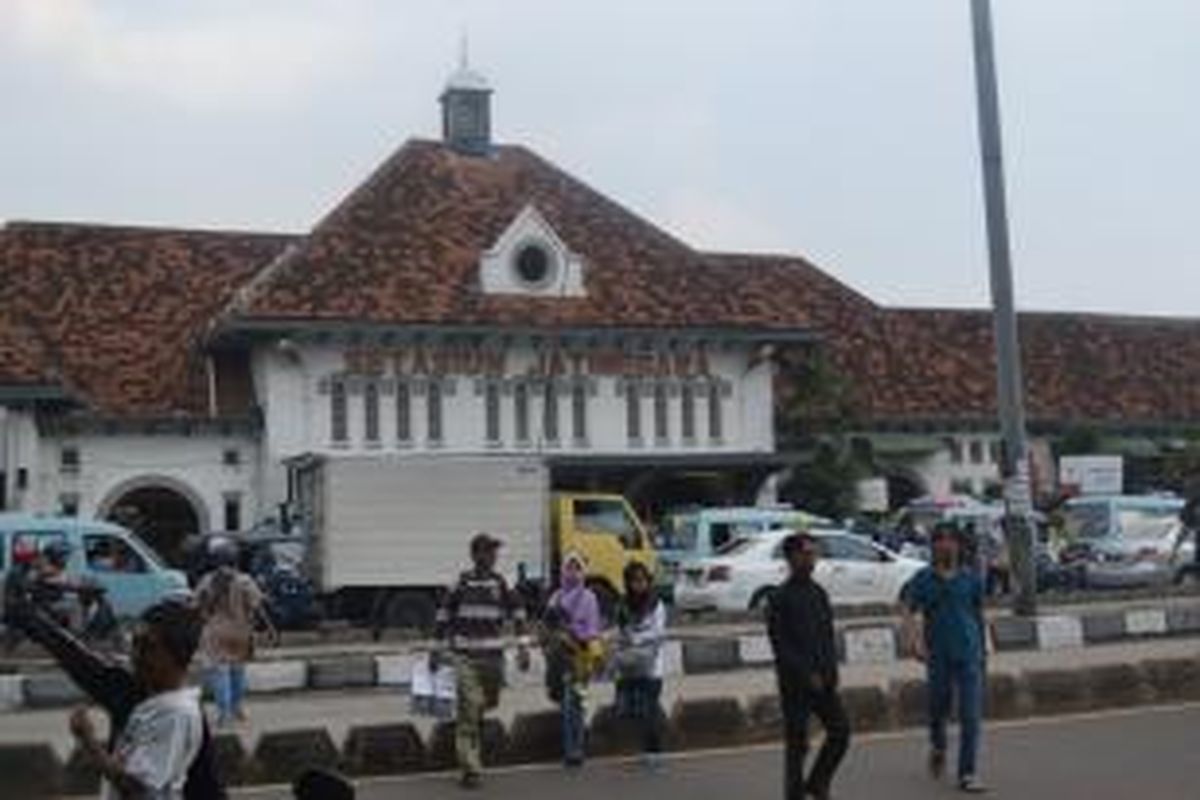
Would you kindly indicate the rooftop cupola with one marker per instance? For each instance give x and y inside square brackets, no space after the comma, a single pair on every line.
[466,110]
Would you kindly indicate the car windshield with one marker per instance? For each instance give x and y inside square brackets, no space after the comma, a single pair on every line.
[679,534]
[1088,521]
[1148,523]
[736,547]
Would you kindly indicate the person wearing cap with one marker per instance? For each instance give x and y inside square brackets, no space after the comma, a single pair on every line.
[951,639]
[800,627]
[471,625]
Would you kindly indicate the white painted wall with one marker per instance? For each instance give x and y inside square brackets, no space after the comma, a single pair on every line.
[111,464]
[940,472]
[298,414]
[19,449]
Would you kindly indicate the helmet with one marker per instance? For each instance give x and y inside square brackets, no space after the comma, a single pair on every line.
[56,552]
[223,552]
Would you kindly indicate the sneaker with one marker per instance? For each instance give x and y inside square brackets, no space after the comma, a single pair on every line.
[969,784]
[937,764]
[471,780]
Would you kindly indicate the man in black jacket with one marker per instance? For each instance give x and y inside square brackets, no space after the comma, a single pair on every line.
[800,624]
[112,687]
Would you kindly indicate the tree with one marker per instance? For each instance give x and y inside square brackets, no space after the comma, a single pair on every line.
[817,417]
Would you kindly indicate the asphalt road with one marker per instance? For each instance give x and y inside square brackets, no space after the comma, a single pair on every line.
[1147,754]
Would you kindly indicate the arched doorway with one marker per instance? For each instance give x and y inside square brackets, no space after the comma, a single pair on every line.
[162,512]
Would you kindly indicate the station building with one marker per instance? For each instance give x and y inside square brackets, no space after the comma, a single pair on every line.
[471,298]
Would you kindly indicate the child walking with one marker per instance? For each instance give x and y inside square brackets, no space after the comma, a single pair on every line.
[639,661]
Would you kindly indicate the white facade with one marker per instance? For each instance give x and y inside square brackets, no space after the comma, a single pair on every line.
[336,399]
[89,474]
[966,464]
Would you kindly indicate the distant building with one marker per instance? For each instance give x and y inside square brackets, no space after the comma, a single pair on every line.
[471,298]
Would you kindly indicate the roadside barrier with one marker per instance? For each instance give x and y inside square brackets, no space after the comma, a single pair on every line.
[858,644]
[35,771]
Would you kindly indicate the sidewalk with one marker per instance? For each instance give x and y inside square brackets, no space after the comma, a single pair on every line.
[339,711]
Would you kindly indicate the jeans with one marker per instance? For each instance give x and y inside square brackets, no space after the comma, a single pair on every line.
[962,677]
[638,701]
[574,724]
[798,705]
[228,683]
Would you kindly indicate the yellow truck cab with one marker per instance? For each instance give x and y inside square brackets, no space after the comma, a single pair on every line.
[604,529]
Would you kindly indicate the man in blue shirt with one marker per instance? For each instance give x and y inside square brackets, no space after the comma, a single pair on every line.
[949,597]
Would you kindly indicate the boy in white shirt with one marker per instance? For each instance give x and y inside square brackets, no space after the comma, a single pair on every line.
[151,756]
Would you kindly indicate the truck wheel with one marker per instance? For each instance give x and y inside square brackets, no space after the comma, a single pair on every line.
[410,611]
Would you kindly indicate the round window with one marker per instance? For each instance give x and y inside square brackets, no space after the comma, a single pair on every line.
[533,264]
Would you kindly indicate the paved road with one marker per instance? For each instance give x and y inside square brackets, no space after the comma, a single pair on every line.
[338,711]
[1148,754]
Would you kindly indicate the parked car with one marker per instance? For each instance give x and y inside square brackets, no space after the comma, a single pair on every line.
[854,571]
[686,539]
[1126,541]
[98,554]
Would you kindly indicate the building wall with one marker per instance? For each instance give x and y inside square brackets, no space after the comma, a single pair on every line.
[109,466]
[966,464]
[19,453]
[294,385]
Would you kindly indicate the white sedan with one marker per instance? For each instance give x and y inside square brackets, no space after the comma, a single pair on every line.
[853,570]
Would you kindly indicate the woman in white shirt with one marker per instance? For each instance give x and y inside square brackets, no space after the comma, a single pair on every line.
[639,661]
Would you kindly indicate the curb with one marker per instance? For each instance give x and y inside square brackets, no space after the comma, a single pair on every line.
[398,749]
[859,644]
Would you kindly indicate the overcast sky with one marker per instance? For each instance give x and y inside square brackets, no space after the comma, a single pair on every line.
[843,130]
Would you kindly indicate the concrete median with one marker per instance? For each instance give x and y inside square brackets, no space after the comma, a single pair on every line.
[715,722]
[351,672]
[12,692]
[30,772]
[384,750]
[280,757]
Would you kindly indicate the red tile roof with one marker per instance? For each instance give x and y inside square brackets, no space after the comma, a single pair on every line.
[23,357]
[119,311]
[404,249]
[935,364]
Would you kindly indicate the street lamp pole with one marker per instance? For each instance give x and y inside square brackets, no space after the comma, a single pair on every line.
[1019,526]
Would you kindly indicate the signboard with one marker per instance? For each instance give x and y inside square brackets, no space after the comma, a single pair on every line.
[1092,475]
[549,361]
[873,495]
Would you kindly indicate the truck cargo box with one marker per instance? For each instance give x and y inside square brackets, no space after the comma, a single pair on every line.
[406,521]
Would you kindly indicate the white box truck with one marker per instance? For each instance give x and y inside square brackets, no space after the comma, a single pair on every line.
[387,533]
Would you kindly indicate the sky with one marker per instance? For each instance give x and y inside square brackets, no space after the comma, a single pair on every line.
[841,130]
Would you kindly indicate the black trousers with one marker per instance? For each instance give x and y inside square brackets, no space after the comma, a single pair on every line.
[798,705]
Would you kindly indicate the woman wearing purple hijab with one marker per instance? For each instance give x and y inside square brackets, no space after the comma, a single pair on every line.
[577,619]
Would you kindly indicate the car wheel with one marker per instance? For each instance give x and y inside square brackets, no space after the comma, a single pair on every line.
[763,596]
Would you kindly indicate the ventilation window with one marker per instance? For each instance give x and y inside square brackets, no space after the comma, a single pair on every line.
[533,264]
[69,461]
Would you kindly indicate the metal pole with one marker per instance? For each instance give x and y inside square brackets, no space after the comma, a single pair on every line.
[1019,526]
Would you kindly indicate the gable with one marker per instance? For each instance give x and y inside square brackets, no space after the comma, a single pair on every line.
[531,260]
[419,244]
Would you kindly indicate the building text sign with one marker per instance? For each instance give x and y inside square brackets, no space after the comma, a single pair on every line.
[484,361]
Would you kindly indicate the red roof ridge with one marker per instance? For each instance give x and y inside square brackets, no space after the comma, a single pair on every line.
[1060,314]
[150,229]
